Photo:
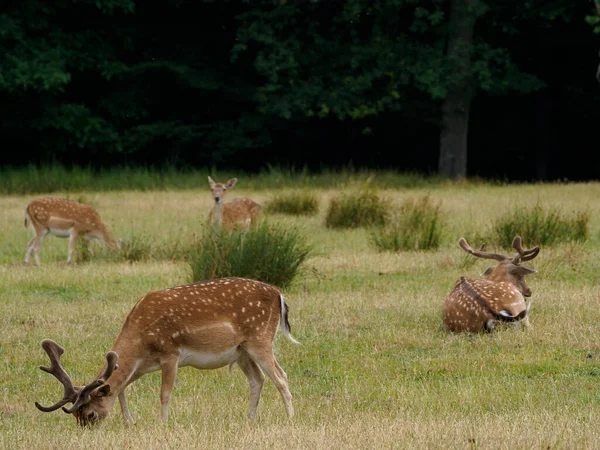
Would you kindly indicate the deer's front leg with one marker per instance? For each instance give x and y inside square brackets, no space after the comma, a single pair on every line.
[125,409]
[169,372]
[72,242]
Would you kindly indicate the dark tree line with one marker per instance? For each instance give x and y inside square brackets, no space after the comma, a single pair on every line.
[501,89]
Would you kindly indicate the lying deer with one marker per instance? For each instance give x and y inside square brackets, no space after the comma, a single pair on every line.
[205,325]
[238,212]
[64,218]
[477,304]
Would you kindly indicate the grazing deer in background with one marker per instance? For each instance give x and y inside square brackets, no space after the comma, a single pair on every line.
[64,218]
[205,325]
[477,304]
[238,212]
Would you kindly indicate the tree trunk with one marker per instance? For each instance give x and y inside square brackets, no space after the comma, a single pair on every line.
[456,105]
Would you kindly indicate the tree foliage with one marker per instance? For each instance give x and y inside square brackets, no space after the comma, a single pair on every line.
[120,81]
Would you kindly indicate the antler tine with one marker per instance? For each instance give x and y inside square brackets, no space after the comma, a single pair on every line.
[524,255]
[111,365]
[54,352]
[83,397]
[480,253]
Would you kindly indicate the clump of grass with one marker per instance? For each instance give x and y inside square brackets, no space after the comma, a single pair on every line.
[417,226]
[541,226]
[295,203]
[82,252]
[357,209]
[135,248]
[269,253]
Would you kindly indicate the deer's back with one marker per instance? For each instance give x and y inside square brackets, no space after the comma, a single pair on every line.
[225,311]
[43,209]
[473,302]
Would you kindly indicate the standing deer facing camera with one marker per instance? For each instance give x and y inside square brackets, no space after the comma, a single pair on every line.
[238,212]
[477,304]
[64,218]
[205,325]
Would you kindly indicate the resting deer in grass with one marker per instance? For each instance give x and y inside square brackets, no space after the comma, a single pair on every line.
[238,212]
[205,325]
[477,304]
[64,218]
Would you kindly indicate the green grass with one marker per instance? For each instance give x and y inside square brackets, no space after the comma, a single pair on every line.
[376,368]
[362,208]
[55,178]
[416,226]
[271,253]
[541,226]
[299,203]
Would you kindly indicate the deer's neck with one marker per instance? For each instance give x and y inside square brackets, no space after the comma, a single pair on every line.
[217,218]
[127,370]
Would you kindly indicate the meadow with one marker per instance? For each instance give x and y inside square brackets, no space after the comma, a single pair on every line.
[375,369]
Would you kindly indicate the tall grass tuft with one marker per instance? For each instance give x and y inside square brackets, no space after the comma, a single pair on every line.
[541,226]
[270,253]
[358,209]
[417,226]
[298,203]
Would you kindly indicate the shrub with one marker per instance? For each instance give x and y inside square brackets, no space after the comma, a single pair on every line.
[297,203]
[269,253]
[416,227]
[357,209]
[540,226]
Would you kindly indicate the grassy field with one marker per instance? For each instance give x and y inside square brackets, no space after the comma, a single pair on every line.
[376,368]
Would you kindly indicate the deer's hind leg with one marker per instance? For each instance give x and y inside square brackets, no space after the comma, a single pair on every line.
[256,380]
[264,357]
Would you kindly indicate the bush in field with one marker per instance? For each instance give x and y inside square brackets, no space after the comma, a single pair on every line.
[357,209]
[417,226]
[541,226]
[296,203]
[270,253]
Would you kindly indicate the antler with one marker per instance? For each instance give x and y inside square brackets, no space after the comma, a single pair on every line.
[524,255]
[54,352]
[84,394]
[480,253]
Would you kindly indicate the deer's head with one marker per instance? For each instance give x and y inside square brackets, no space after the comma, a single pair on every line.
[508,268]
[219,189]
[90,403]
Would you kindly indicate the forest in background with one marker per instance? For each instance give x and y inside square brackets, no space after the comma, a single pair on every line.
[308,84]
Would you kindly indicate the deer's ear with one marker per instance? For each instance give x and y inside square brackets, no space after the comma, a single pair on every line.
[231,183]
[103,391]
[211,182]
[521,270]
[488,271]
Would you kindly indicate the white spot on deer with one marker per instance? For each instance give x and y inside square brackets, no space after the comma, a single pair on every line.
[150,333]
[177,333]
[243,310]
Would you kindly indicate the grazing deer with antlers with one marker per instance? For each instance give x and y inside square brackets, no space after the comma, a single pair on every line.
[237,212]
[64,218]
[477,304]
[205,325]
